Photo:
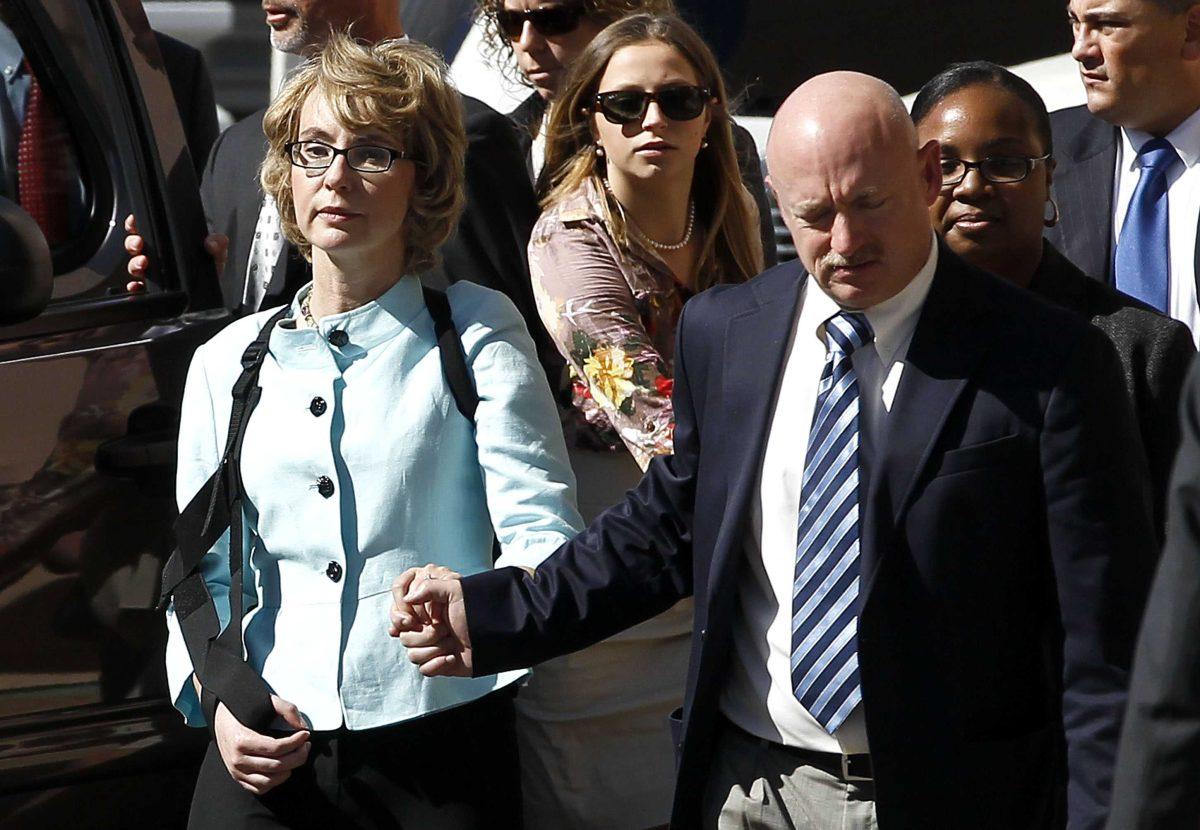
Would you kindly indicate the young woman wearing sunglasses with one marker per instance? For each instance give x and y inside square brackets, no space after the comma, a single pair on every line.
[544,37]
[645,207]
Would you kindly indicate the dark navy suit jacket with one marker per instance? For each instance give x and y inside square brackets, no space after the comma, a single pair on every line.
[1006,552]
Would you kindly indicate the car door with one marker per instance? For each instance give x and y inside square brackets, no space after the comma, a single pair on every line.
[89,400]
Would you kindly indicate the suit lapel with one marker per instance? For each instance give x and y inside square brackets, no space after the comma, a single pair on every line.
[756,342]
[944,349]
[248,201]
[527,117]
[1085,193]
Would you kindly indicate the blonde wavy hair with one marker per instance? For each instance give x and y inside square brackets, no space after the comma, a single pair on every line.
[732,249]
[499,50]
[395,87]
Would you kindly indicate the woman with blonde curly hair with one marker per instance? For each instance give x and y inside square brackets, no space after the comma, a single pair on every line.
[645,208]
[355,465]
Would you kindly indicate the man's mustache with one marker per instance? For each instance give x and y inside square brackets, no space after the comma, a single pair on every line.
[836,260]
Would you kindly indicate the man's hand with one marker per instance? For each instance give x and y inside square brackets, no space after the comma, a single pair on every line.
[216,244]
[258,762]
[429,618]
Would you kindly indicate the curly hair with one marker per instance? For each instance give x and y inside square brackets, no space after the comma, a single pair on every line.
[498,48]
[399,88]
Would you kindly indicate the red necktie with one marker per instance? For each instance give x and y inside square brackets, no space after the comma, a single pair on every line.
[43,185]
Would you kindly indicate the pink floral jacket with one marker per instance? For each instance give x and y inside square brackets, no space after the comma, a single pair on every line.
[612,315]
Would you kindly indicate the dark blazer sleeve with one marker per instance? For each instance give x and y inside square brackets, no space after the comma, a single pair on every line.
[752,176]
[193,92]
[489,246]
[634,561]
[1086,150]
[1169,354]
[1102,550]
[1159,762]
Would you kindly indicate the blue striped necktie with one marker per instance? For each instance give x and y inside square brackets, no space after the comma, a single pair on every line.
[1143,251]
[825,591]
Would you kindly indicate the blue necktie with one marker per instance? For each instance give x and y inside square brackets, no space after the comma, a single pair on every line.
[825,591]
[1143,252]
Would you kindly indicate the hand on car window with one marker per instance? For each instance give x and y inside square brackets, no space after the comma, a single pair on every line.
[216,244]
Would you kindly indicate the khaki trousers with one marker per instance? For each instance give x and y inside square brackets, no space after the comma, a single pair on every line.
[759,785]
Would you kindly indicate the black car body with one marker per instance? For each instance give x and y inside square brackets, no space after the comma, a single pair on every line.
[90,385]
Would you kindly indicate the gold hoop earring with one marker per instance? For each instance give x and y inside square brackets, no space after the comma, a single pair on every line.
[1051,221]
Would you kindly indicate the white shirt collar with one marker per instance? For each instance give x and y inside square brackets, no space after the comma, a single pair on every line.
[1185,139]
[893,320]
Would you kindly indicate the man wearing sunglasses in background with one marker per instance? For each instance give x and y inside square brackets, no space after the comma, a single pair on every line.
[545,37]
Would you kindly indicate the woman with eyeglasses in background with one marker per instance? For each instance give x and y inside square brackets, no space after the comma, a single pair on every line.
[997,169]
[357,465]
[645,207]
[545,37]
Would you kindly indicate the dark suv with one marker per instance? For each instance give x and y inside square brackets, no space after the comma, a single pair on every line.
[91,375]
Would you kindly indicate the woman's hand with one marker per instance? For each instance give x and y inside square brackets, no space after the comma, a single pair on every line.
[408,617]
[259,762]
[429,618]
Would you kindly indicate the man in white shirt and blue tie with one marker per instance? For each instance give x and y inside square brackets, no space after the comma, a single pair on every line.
[1127,181]
[909,501]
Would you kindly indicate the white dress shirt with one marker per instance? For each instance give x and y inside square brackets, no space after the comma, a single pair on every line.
[758,696]
[1183,198]
[537,150]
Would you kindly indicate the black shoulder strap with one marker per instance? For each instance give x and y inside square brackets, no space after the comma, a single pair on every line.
[454,361]
[218,655]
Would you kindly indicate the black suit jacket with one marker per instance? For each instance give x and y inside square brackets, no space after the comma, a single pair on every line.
[488,247]
[528,116]
[1006,551]
[1085,148]
[1155,353]
[193,90]
[1158,770]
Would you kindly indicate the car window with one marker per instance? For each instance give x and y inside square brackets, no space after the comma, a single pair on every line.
[92,385]
[42,166]
[67,154]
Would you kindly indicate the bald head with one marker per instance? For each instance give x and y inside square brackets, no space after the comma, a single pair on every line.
[838,112]
[853,186]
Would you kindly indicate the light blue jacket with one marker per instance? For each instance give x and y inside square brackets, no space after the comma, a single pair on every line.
[412,483]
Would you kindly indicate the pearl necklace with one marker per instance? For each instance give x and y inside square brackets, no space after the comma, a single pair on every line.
[662,246]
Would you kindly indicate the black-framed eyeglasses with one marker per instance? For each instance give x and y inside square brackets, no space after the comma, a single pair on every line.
[558,19]
[678,103]
[996,169]
[365,158]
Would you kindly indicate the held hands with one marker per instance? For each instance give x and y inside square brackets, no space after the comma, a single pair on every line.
[428,616]
[258,762]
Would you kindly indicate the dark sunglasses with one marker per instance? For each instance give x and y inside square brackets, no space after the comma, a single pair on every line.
[547,20]
[678,103]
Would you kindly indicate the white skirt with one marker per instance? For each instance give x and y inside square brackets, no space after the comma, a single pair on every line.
[596,751]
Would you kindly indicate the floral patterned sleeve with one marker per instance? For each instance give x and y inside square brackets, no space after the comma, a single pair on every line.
[613,321]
